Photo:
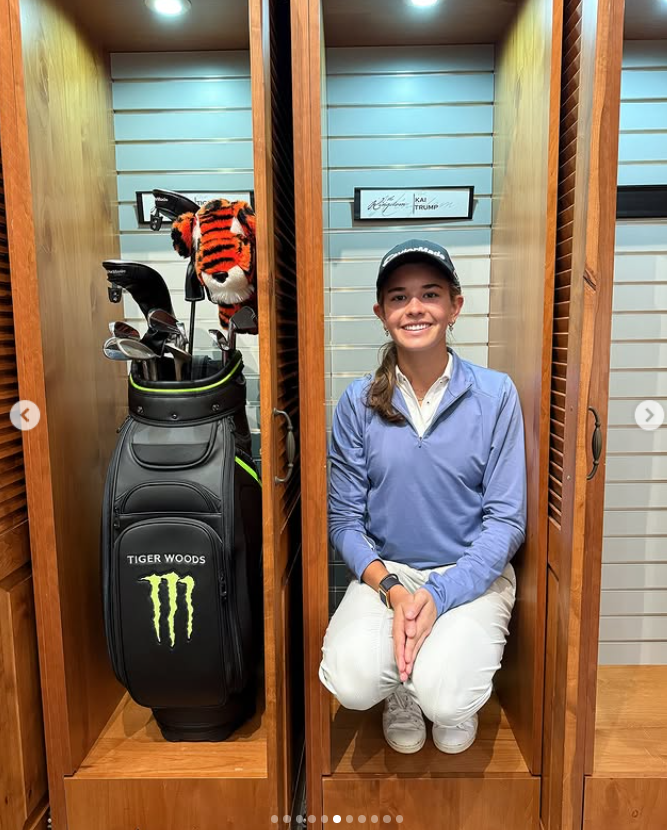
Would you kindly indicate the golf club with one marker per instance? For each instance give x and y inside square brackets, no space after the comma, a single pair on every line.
[146,286]
[181,358]
[112,351]
[163,321]
[244,321]
[171,204]
[136,350]
[194,293]
[122,329]
[220,341]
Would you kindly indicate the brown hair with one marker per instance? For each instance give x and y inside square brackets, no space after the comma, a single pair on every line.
[381,390]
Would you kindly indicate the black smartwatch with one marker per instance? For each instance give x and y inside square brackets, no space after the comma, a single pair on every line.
[385,584]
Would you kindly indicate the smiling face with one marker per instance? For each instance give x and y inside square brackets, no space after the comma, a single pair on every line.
[416,307]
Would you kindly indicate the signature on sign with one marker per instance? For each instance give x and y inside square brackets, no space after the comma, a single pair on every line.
[403,204]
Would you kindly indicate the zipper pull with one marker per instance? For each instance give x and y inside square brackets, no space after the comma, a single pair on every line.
[116,520]
[223,587]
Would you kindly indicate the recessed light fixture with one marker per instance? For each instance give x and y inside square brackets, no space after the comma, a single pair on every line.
[169,8]
[423,3]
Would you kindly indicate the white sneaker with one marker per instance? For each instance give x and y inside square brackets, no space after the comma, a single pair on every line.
[403,723]
[455,739]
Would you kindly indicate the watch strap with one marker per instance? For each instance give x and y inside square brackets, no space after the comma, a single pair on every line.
[386,583]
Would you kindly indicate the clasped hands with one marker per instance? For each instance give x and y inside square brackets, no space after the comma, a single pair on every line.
[414,617]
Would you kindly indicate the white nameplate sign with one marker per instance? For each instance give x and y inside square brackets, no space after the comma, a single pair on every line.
[410,203]
[146,201]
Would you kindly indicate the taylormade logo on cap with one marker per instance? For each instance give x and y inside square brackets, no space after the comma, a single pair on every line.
[417,250]
[421,249]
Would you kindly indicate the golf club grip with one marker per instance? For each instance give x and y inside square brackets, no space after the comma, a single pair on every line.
[191,339]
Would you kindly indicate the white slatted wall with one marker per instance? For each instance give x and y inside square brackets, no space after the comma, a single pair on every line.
[633,625]
[182,122]
[402,117]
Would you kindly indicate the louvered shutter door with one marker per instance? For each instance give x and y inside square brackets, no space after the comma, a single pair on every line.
[22,758]
[563,275]
[592,47]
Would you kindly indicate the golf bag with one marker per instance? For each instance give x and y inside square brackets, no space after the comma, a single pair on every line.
[181,552]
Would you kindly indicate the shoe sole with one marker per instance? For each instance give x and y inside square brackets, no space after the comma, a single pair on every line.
[404,750]
[456,750]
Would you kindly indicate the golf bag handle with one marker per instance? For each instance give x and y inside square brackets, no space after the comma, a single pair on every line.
[291,447]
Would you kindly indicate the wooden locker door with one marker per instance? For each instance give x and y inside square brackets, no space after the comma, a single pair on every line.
[23,785]
[279,391]
[592,50]
[307,70]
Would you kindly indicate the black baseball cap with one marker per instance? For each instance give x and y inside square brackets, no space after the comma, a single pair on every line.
[416,250]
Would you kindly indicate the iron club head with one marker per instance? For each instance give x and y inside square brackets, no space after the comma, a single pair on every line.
[120,328]
[136,350]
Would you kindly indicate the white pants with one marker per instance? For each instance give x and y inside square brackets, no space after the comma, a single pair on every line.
[452,677]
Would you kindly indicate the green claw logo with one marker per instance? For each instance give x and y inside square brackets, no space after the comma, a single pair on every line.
[171,580]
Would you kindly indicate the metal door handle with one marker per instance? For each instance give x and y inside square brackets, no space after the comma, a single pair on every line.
[291,447]
[596,444]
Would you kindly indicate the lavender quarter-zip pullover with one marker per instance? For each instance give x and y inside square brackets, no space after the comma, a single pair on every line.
[455,495]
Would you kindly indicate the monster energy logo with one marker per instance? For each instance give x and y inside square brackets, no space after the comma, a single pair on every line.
[171,580]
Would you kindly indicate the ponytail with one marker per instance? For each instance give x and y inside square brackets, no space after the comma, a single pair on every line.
[381,390]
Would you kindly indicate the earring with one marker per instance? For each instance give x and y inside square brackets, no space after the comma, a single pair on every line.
[451,326]
[386,332]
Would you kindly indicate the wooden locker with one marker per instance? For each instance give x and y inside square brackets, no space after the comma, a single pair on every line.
[349,766]
[108,764]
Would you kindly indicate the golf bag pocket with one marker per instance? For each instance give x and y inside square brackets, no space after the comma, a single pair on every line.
[179,633]
[181,566]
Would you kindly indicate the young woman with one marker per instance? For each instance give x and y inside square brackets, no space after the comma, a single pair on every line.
[427,505]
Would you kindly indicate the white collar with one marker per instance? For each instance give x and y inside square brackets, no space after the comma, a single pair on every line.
[446,375]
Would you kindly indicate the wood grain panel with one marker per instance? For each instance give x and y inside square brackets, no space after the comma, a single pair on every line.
[167,804]
[549,791]
[22,765]
[522,273]
[462,803]
[631,723]
[307,62]
[278,352]
[131,746]
[625,804]
[67,91]
[359,747]
[57,287]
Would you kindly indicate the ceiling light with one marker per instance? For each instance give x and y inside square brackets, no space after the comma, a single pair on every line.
[423,3]
[170,8]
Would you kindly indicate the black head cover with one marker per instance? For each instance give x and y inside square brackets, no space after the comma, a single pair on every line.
[146,286]
[172,204]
